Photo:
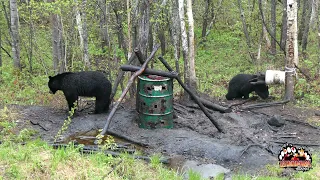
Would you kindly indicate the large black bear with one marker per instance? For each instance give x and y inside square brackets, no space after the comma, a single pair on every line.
[85,83]
[242,85]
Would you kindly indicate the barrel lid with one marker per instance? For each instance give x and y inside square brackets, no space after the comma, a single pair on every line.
[153,78]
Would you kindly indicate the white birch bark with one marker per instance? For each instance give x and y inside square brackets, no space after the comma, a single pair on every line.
[15,33]
[185,49]
[314,14]
[291,49]
[83,33]
[193,78]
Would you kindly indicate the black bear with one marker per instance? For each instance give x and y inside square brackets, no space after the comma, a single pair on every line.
[242,85]
[85,83]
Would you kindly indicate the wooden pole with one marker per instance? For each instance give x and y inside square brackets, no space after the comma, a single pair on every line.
[195,98]
[130,82]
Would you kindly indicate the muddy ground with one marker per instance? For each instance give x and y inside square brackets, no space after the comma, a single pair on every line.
[194,137]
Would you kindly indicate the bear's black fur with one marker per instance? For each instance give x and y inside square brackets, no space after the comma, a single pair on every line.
[85,83]
[242,85]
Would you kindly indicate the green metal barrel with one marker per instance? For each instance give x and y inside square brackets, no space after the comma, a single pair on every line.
[155,102]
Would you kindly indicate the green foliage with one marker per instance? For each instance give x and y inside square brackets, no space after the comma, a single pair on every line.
[192,175]
[67,121]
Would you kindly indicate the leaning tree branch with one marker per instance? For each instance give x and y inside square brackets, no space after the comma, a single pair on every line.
[120,78]
[6,51]
[130,82]
[195,98]
[268,30]
[303,72]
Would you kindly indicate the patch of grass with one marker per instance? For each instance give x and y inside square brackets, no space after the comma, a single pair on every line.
[36,160]
[220,176]
[274,170]
[192,175]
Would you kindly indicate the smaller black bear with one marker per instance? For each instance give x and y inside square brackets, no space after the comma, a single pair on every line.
[85,83]
[242,85]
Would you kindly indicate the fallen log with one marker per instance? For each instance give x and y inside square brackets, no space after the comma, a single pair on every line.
[147,71]
[195,98]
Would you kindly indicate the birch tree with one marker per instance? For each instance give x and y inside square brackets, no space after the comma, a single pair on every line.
[83,33]
[14,19]
[245,30]
[193,78]
[184,41]
[129,28]
[314,13]
[291,49]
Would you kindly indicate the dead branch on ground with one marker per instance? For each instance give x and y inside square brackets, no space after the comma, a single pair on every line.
[262,105]
[255,144]
[295,143]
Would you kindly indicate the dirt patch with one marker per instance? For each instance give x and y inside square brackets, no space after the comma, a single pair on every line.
[248,143]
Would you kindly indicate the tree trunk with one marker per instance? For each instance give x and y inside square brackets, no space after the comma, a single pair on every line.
[304,41]
[157,31]
[273,27]
[79,25]
[129,29]
[314,14]
[284,25]
[185,49]
[175,32]
[57,43]
[153,30]
[104,25]
[0,52]
[83,33]
[303,20]
[15,34]
[193,78]
[318,24]
[162,39]
[30,37]
[205,19]
[245,30]
[119,30]
[144,24]
[291,49]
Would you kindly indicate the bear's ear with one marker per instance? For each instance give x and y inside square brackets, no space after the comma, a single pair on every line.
[50,77]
